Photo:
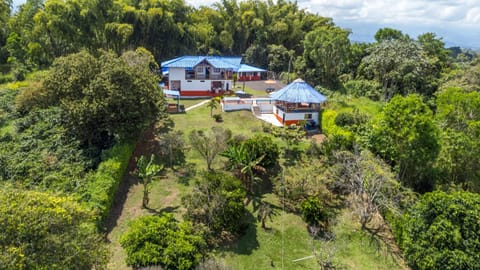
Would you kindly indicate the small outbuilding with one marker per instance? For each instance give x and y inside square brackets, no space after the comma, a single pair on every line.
[297,102]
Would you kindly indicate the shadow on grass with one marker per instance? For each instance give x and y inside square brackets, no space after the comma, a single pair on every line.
[168,209]
[186,173]
[248,241]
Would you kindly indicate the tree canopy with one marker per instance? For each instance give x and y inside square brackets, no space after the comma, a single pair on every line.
[44,231]
[104,97]
[441,231]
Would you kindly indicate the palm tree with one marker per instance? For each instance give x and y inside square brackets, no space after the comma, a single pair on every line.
[244,163]
[213,104]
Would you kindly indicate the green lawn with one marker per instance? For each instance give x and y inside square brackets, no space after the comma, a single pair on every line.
[286,238]
[342,103]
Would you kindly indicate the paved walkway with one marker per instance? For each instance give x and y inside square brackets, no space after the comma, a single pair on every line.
[270,118]
[197,105]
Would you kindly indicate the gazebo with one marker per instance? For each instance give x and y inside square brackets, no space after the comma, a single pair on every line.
[297,102]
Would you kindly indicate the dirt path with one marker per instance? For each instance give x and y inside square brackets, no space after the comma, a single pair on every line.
[127,204]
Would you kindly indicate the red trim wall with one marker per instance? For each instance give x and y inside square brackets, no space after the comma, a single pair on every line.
[287,122]
[249,78]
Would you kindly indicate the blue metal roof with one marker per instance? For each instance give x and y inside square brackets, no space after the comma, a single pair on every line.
[247,68]
[191,61]
[297,92]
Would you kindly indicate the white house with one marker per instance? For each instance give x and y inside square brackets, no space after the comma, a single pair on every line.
[199,76]
[297,102]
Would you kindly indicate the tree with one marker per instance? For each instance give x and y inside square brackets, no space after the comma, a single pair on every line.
[171,148]
[385,34]
[210,144]
[162,241]
[399,65]
[458,115]
[5,6]
[370,183]
[105,97]
[43,231]
[325,52]
[264,211]
[213,104]
[441,231]
[216,202]
[405,136]
[244,163]
[146,170]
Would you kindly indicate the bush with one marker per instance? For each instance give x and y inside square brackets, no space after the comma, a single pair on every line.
[343,138]
[161,240]
[104,183]
[216,202]
[263,146]
[363,88]
[344,119]
[314,213]
[217,117]
[44,231]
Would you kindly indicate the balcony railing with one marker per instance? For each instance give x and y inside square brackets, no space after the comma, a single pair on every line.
[210,77]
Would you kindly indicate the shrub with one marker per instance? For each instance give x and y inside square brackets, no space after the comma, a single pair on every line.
[104,183]
[363,88]
[161,240]
[263,145]
[217,117]
[314,213]
[216,202]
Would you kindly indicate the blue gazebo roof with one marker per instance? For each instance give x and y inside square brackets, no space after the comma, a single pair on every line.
[298,92]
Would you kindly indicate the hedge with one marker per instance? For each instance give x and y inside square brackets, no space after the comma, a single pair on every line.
[104,182]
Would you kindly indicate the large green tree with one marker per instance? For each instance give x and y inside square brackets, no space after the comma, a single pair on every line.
[5,6]
[105,97]
[441,231]
[458,114]
[325,53]
[399,65]
[405,135]
[43,231]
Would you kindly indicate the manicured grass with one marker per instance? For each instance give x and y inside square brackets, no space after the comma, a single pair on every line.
[165,196]
[286,238]
[187,102]
[354,248]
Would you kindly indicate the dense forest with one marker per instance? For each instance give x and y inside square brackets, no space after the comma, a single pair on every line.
[79,90]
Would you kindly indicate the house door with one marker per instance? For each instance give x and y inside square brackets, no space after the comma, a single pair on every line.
[175,85]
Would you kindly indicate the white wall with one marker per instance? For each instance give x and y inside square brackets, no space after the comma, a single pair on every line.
[296,116]
[178,74]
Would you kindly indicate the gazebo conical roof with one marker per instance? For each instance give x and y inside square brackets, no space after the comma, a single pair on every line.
[298,92]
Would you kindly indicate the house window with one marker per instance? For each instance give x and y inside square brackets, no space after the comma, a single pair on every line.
[216,70]
[308,116]
[200,69]
[189,74]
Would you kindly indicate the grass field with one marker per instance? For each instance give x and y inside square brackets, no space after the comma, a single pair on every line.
[286,238]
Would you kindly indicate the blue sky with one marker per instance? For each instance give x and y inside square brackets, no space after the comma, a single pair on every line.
[456,21]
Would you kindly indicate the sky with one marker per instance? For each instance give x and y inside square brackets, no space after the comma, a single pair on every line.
[456,21]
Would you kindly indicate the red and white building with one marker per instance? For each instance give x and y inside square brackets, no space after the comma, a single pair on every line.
[200,76]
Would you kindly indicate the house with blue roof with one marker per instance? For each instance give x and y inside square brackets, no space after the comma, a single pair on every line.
[297,102]
[200,76]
